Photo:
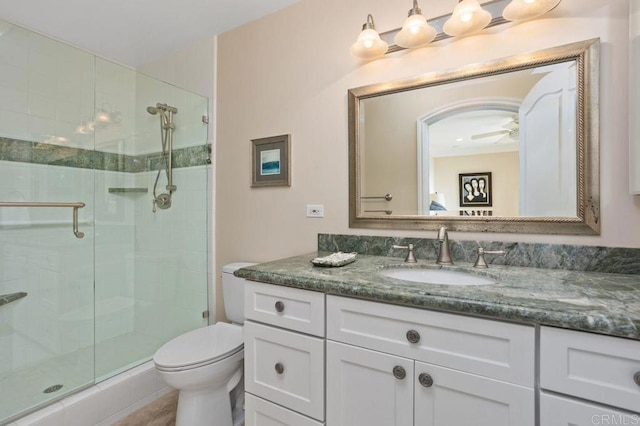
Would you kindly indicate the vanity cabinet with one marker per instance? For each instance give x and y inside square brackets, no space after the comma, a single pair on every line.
[396,366]
[284,356]
[313,359]
[601,369]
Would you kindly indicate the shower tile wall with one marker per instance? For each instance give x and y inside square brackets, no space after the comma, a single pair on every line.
[46,89]
[168,283]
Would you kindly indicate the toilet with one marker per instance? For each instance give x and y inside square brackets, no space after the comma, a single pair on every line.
[206,364]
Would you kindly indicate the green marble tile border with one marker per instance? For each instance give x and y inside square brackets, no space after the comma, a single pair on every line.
[548,256]
[41,153]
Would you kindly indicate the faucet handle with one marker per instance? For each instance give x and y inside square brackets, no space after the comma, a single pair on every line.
[480,261]
[411,257]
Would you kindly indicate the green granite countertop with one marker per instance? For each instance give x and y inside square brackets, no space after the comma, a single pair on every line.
[590,301]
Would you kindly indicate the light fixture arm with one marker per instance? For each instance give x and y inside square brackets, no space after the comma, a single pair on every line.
[416,9]
[369,25]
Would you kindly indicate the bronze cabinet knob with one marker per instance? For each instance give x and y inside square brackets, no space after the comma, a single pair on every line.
[425,380]
[279,306]
[413,336]
[279,368]
[399,372]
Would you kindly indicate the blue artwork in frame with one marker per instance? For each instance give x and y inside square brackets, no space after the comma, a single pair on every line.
[271,161]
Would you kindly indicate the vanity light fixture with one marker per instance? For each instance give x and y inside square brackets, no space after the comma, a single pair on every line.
[467,18]
[520,10]
[369,45]
[415,31]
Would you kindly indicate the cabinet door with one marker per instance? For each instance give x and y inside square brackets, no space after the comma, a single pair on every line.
[452,398]
[362,389]
[559,411]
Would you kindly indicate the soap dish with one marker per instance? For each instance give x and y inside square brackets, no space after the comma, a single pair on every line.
[335,259]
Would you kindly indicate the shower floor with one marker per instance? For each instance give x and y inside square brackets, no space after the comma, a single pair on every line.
[22,389]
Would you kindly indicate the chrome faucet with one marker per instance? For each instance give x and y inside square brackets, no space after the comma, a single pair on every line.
[480,261]
[411,258]
[444,254]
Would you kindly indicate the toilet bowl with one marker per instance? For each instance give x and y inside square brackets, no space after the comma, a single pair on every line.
[206,364]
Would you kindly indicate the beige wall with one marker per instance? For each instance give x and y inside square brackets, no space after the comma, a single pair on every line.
[504,168]
[289,73]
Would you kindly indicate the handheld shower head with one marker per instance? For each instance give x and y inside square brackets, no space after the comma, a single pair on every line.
[152,110]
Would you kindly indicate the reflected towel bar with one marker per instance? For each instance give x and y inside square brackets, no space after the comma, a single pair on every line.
[75,207]
[387,197]
[379,211]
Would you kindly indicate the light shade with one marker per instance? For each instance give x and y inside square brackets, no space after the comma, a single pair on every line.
[369,45]
[467,18]
[520,10]
[415,31]
[438,197]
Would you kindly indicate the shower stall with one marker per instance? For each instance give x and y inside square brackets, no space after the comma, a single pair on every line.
[93,278]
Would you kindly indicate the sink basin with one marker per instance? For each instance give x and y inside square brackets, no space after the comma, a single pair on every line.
[436,276]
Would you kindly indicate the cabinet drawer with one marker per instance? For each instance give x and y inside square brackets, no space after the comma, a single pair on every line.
[559,411]
[286,368]
[291,308]
[591,366]
[259,412]
[488,348]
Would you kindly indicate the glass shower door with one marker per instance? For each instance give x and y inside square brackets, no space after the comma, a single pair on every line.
[46,271]
[151,263]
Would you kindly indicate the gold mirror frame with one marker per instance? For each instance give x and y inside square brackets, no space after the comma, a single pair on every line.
[587,55]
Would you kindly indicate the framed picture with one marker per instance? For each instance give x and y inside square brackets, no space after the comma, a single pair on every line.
[475,189]
[271,162]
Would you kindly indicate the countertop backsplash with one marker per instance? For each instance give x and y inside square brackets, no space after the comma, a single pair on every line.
[548,256]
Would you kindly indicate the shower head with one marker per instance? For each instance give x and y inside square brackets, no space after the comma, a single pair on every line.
[152,110]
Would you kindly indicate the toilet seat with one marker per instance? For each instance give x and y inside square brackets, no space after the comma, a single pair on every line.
[200,347]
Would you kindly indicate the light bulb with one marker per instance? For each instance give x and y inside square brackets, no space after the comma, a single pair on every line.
[415,31]
[369,45]
[468,17]
[521,10]
[103,117]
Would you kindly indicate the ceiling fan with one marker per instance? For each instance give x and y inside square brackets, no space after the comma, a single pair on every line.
[510,131]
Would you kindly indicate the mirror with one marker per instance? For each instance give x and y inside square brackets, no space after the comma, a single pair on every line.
[505,146]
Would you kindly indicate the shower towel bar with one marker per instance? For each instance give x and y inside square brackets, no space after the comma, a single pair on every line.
[387,197]
[75,207]
[8,298]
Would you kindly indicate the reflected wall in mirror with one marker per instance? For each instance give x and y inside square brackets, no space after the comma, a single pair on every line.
[530,120]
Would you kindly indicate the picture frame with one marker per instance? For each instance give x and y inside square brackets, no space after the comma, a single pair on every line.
[271,161]
[476,189]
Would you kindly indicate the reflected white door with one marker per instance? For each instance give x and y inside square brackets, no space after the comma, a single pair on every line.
[548,179]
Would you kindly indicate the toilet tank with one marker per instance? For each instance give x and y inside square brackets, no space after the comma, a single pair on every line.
[233,291]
